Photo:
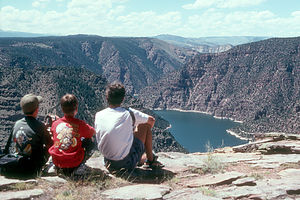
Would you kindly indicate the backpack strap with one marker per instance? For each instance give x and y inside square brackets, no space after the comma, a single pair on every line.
[132,116]
[7,146]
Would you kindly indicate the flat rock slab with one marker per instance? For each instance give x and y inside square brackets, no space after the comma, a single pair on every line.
[290,173]
[96,163]
[191,194]
[24,194]
[247,181]
[265,189]
[217,179]
[246,192]
[140,191]
[291,180]
[284,146]
[274,160]
[178,162]
[54,179]
[5,182]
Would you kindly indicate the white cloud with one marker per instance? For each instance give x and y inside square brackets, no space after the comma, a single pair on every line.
[40,3]
[115,12]
[111,18]
[20,20]
[88,16]
[150,23]
[199,4]
[296,14]
[254,23]
[238,3]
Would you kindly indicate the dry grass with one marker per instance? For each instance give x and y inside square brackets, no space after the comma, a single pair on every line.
[22,186]
[208,191]
[88,188]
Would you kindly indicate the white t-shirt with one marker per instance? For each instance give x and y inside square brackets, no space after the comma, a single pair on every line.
[114,131]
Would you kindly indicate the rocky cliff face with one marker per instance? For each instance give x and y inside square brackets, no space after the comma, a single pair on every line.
[137,62]
[258,83]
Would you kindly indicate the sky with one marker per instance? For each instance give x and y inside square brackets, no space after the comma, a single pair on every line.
[147,18]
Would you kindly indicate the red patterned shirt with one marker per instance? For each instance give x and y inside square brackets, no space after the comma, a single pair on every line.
[67,133]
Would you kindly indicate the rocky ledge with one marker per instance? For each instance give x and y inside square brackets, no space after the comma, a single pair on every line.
[268,168]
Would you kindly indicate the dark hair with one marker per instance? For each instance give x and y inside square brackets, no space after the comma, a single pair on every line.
[115,93]
[30,113]
[69,104]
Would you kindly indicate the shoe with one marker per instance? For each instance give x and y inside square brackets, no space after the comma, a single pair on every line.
[154,164]
[51,169]
[82,170]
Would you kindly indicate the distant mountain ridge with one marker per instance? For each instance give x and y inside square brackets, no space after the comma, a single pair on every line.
[209,44]
[19,34]
[201,44]
[258,83]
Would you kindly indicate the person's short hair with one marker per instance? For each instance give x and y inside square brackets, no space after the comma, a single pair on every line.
[29,103]
[115,93]
[69,104]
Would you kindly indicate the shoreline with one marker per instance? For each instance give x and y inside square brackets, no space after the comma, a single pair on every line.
[236,135]
[168,127]
[237,121]
[206,113]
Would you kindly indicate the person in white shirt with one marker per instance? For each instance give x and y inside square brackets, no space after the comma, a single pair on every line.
[121,145]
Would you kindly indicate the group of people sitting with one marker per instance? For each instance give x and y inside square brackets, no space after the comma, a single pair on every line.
[123,135]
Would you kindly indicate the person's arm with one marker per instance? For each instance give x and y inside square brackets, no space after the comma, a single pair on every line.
[87,131]
[47,140]
[151,121]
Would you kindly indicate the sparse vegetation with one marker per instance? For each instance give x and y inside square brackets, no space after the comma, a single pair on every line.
[22,186]
[209,147]
[211,164]
[207,191]
[173,182]
[257,176]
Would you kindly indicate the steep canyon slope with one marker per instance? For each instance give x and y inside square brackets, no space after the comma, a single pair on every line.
[137,62]
[257,83]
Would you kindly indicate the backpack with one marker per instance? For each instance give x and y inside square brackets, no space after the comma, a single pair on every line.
[11,163]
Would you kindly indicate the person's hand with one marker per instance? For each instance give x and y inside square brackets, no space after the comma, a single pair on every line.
[49,119]
[151,121]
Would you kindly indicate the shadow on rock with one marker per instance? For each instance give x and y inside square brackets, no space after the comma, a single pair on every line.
[144,175]
[89,174]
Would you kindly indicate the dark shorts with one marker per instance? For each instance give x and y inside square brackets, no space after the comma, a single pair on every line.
[131,160]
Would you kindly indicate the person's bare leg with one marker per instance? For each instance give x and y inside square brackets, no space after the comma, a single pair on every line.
[145,135]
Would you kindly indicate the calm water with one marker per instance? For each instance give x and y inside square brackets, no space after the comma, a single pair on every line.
[195,130]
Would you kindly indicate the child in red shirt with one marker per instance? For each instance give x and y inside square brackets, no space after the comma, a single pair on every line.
[69,134]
